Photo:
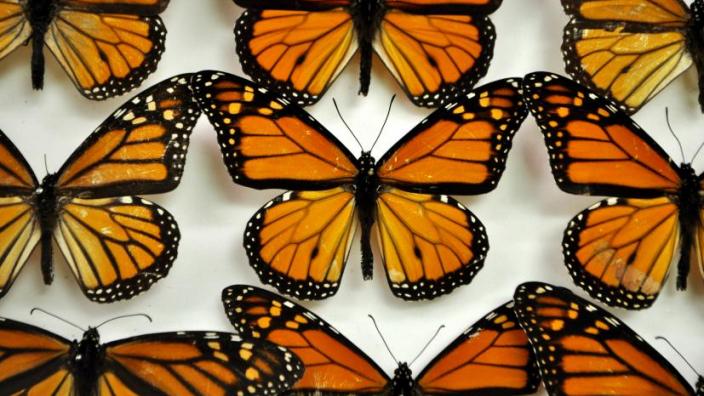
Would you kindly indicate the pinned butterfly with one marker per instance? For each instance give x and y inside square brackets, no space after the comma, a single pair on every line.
[631,50]
[492,357]
[117,245]
[299,242]
[621,249]
[436,50]
[34,361]
[107,47]
[582,349]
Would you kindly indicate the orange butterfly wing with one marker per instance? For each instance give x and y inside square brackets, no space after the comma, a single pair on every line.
[627,51]
[493,357]
[15,29]
[582,349]
[196,363]
[298,53]
[594,148]
[265,142]
[107,47]
[33,361]
[332,363]
[461,148]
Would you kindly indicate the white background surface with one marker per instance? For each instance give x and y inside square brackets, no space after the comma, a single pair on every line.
[524,216]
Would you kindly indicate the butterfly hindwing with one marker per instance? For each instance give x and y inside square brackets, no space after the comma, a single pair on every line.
[627,51]
[267,142]
[140,149]
[583,349]
[492,357]
[430,244]
[460,148]
[595,148]
[333,365]
[196,363]
[297,53]
[299,242]
[33,361]
[15,29]
[136,7]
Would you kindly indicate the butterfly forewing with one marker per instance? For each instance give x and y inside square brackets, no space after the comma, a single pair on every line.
[333,365]
[140,149]
[594,148]
[267,142]
[299,241]
[33,361]
[492,357]
[461,148]
[196,363]
[627,50]
[582,349]
[430,244]
[14,26]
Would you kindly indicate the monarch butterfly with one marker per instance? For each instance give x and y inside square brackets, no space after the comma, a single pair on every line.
[107,47]
[630,50]
[620,250]
[117,245]
[436,50]
[492,357]
[582,349]
[34,361]
[299,242]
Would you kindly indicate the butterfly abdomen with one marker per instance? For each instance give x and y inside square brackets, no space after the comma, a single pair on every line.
[39,13]
[366,192]
[689,207]
[367,15]
[47,207]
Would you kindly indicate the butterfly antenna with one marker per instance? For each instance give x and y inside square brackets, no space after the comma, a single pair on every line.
[678,352]
[696,153]
[388,112]
[46,164]
[383,339]
[56,317]
[142,315]
[669,126]
[345,122]
[427,344]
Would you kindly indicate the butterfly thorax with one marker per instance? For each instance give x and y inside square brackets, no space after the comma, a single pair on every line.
[367,16]
[40,13]
[85,362]
[47,203]
[402,384]
[689,203]
[366,190]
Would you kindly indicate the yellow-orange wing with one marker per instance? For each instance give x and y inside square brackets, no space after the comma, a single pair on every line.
[116,247]
[266,141]
[15,29]
[435,58]
[107,47]
[621,250]
[19,226]
[430,244]
[140,149]
[196,363]
[460,148]
[595,148]
[492,357]
[34,361]
[298,53]
[333,365]
[582,349]
[299,242]
[627,50]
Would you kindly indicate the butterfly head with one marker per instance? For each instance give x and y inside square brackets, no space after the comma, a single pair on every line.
[367,162]
[402,383]
[700,386]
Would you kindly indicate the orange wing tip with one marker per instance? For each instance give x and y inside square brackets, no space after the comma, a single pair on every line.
[304,290]
[612,296]
[127,289]
[431,289]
